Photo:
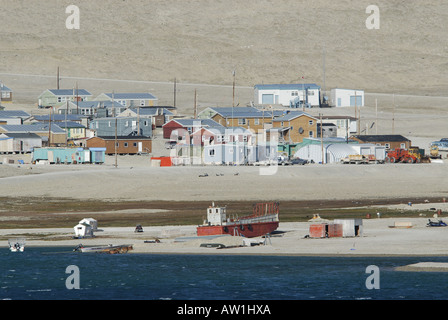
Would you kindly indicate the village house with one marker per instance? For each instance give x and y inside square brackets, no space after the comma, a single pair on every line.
[390,141]
[51,134]
[68,155]
[345,125]
[129,100]
[52,97]
[5,94]
[125,126]
[13,116]
[347,97]
[74,130]
[56,118]
[124,145]
[19,142]
[90,108]
[176,128]
[158,116]
[295,126]
[292,95]
[220,135]
[245,117]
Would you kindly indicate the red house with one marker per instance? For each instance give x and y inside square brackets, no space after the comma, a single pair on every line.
[180,126]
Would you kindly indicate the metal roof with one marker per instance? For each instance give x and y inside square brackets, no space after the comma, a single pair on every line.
[22,135]
[14,114]
[131,96]
[295,86]
[39,127]
[244,112]
[4,88]
[292,115]
[70,92]
[197,122]
[381,137]
[58,117]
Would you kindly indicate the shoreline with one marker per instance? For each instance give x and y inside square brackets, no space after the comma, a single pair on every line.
[378,240]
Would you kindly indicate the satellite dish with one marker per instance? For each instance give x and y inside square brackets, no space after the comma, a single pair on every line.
[300,130]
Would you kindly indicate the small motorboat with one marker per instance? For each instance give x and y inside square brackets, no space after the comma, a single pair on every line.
[439,223]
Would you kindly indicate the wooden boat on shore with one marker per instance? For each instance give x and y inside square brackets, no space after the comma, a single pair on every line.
[264,220]
[111,249]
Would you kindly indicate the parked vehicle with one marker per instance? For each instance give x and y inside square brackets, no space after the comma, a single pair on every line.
[299,161]
[283,161]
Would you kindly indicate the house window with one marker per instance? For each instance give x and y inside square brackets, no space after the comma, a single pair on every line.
[142,102]
[211,152]
[387,145]
[108,124]
[311,134]
[126,123]
[310,122]
[256,121]
[117,144]
[125,144]
[403,146]
[135,144]
[242,121]
[145,123]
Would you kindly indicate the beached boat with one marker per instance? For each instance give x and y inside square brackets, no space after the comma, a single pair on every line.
[439,223]
[111,249]
[263,220]
[16,245]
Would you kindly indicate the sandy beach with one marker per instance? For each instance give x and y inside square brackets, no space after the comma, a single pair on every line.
[378,239]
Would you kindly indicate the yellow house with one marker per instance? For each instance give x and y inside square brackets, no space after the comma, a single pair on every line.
[245,117]
[295,126]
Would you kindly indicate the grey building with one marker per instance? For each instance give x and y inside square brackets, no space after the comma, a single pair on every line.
[125,126]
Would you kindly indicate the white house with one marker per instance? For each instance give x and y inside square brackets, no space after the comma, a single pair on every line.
[90,221]
[292,95]
[83,230]
[130,100]
[347,98]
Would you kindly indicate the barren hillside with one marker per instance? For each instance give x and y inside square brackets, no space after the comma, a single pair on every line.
[203,41]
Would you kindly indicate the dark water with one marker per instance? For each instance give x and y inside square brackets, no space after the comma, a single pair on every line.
[40,274]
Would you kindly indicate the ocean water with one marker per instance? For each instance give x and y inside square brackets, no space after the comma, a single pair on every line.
[44,274]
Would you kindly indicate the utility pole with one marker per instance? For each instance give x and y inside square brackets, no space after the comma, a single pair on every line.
[376,115]
[321,138]
[195,106]
[174,93]
[57,80]
[233,101]
[77,98]
[393,114]
[49,129]
[356,115]
[116,165]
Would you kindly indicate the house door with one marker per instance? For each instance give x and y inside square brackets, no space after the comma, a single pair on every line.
[140,147]
[267,99]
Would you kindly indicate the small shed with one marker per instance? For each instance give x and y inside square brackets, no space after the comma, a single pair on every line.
[326,230]
[83,230]
[90,221]
[347,97]
[350,227]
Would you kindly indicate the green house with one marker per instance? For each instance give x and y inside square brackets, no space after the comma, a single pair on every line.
[51,97]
